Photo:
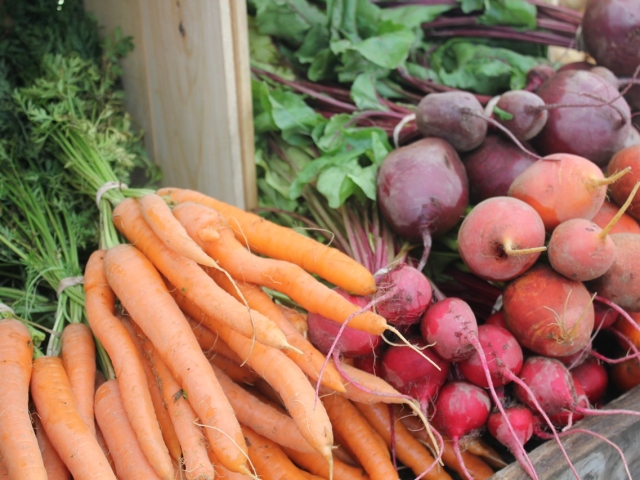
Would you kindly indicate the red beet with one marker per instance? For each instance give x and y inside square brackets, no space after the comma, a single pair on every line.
[407,294]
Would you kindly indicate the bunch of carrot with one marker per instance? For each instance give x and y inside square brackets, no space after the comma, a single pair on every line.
[207,375]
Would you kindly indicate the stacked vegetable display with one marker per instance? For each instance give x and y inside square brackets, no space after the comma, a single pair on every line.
[474,280]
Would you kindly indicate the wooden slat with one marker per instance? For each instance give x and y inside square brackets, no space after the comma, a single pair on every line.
[592,458]
[187,85]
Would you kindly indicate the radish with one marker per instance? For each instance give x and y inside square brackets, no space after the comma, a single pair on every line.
[587,116]
[523,423]
[460,409]
[407,294]
[626,223]
[369,363]
[620,191]
[561,187]
[453,116]
[496,319]
[549,314]
[621,283]
[527,120]
[409,373]
[423,190]
[501,238]
[323,333]
[501,350]
[493,166]
[604,316]
[593,378]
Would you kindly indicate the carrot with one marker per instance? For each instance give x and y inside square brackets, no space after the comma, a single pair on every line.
[239,374]
[298,320]
[222,472]
[74,442]
[19,451]
[162,414]
[191,279]
[270,461]
[410,451]
[4,473]
[209,341]
[192,440]
[475,465]
[284,277]
[270,422]
[478,447]
[127,364]
[144,295]
[359,437]
[310,360]
[102,442]
[377,389]
[314,463]
[130,461]
[79,360]
[56,469]
[158,216]
[283,375]
[267,238]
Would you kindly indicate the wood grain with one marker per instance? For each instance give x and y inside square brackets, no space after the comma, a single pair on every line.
[188,86]
[592,458]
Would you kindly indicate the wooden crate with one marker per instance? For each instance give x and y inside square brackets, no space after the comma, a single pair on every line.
[592,457]
[187,85]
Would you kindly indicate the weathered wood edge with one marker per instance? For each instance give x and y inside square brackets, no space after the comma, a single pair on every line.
[592,457]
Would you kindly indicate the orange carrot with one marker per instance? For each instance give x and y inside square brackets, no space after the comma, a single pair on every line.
[270,462]
[123,444]
[359,437]
[267,238]
[239,374]
[224,474]
[127,364]
[379,390]
[475,466]
[410,451]
[79,360]
[209,341]
[19,449]
[480,448]
[314,463]
[191,279]
[56,469]
[74,442]
[283,375]
[311,360]
[4,473]
[265,420]
[197,465]
[103,443]
[144,295]
[158,216]
[278,275]
[297,319]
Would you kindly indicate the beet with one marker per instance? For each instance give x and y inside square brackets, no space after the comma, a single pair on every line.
[410,295]
[580,121]
[593,379]
[423,190]
[493,166]
[527,121]
[620,190]
[611,34]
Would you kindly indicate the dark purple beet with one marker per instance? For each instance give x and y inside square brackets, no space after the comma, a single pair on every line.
[454,117]
[423,190]
[493,166]
[537,76]
[526,122]
[580,121]
[611,34]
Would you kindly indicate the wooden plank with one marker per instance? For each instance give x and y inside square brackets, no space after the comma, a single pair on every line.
[592,458]
[187,85]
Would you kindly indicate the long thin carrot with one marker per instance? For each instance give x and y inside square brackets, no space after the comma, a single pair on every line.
[310,360]
[265,420]
[191,279]
[127,363]
[4,473]
[162,414]
[223,473]
[314,463]
[144,295]
[239,373]
[474,464]
[298,320]
[79,359]
[284,277]
[210,342]
[480,448]
[130,461]
[410,451]
[283,375]
[19,451]
[267,238]
[359,437]
[158,216]
[197,465]
[74,442]
[56,469]
[270,461]
[103,443]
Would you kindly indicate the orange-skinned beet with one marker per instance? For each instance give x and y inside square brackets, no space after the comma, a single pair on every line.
[548,313]
[627,157]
